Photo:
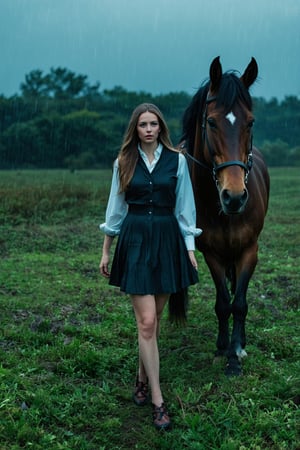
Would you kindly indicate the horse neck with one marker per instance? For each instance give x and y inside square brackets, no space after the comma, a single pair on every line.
[198,143]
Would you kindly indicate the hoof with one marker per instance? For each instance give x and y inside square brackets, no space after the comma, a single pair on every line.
[233,368]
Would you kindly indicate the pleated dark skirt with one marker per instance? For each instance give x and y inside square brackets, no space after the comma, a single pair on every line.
[151,256]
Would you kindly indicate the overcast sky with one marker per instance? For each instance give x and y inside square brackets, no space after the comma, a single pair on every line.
[156,46]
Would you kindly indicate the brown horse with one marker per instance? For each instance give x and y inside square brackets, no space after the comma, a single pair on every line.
[231,188]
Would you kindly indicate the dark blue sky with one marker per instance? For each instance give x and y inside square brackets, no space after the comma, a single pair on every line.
[157,46]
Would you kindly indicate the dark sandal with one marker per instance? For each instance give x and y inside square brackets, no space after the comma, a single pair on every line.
[161,419]
[140,394]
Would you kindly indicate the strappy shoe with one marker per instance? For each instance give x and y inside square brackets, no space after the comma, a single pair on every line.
[140,395]
[160,415]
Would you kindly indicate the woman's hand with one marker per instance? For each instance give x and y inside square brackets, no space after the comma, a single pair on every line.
[193,259]
[103,266]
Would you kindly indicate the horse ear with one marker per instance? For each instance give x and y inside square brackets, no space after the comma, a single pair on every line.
[215,74]
[250,74]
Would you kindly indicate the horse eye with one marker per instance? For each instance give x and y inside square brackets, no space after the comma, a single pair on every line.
[251,123]
[211,122]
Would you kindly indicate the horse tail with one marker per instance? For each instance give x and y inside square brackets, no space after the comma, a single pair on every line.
[178,306]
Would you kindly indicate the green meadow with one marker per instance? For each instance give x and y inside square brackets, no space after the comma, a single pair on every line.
[68,347]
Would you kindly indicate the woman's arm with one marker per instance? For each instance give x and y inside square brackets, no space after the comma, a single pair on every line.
[185,210]
[104,263]
[116,207]
[115,213]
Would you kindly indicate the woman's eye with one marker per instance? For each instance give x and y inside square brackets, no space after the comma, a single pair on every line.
[152,124]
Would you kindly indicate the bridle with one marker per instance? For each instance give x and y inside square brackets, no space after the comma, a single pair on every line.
[216,167]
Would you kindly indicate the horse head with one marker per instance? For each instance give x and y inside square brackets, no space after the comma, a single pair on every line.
[227,122]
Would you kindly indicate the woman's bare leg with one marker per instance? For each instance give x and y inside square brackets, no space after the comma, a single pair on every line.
[148,310]
[160,304]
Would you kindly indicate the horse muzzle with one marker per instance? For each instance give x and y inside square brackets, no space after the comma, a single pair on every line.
[233,202]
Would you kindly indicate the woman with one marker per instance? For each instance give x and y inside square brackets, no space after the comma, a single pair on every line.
[151,207]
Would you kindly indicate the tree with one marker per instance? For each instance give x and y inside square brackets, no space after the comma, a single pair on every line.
[60,83]
[274,120]
[23,139]
[276,153]
[35,84]
[62,120]
[122,101]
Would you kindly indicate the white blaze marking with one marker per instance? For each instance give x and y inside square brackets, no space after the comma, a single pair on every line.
[231,117]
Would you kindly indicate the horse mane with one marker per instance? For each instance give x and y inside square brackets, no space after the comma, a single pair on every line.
[230,90]
[191,115]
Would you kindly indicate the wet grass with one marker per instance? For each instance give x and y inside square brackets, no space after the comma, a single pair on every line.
[68,341]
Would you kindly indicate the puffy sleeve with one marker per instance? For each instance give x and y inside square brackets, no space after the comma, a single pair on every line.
[116,207]
[185,209]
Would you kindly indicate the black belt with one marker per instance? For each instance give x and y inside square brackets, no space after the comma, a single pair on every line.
[149,210]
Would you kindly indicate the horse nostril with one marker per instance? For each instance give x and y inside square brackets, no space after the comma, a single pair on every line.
[225,197]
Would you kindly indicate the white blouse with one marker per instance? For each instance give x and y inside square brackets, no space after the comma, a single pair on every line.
[185,210]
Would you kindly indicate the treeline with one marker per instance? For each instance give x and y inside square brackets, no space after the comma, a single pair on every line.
[60,120]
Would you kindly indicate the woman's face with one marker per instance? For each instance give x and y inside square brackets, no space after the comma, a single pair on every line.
[148,128]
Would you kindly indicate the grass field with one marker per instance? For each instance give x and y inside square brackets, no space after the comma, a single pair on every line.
[68,349]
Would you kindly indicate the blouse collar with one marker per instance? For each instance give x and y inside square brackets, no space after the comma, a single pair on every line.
[157,152]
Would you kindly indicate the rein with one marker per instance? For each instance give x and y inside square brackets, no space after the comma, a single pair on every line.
[216,167]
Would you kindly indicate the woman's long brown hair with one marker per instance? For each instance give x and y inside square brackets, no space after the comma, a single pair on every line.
[129,154]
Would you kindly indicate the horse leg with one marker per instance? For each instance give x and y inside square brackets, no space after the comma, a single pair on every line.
[238,336]
[223,311]
[239,308]
[222,305]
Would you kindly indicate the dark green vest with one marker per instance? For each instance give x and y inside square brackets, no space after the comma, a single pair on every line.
[156,189]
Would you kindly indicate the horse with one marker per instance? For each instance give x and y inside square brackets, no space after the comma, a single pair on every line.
[231,188]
